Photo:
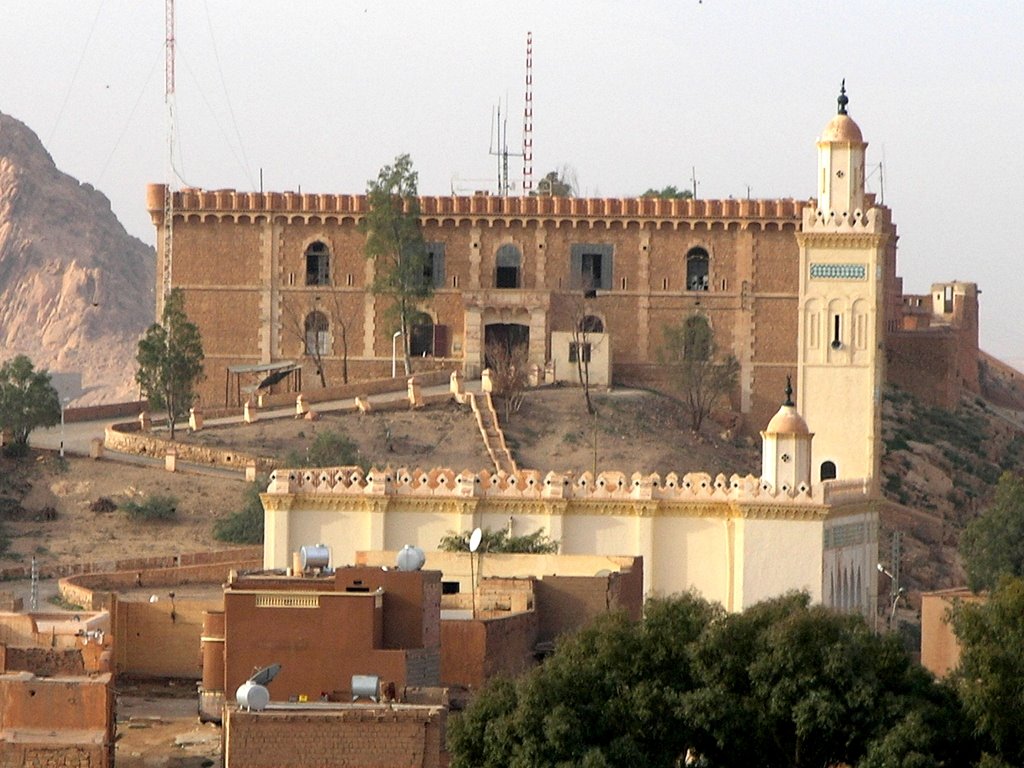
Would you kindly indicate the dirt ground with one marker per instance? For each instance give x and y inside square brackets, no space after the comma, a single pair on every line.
[635,431]
[55,521]
[158,725]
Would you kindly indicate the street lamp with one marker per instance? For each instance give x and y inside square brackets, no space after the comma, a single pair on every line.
[394,358]
[63,404]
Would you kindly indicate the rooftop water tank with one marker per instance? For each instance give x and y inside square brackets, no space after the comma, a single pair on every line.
[315,556]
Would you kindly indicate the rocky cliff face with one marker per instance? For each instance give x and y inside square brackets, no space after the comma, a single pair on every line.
[76,290]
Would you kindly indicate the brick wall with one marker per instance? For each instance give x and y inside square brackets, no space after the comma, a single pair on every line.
[45,662]
[924,364]
[60,722]
[474,651]
[148,642]
[397,736]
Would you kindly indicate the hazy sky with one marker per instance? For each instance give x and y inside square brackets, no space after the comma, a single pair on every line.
[320,95]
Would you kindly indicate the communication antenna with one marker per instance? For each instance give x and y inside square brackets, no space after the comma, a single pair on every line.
[528,119]
[168,233]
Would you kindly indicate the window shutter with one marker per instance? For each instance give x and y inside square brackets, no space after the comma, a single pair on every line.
[439,266]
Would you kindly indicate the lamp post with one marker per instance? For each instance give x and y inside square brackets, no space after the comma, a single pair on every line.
[394,358]
[63,404]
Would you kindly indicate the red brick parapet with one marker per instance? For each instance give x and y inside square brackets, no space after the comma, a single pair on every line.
[229,202]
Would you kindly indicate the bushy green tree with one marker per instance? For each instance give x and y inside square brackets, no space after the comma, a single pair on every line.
[244,525]
[170,360]
[671,192]
[27,400]
[783,684]
[992,546]
[501,541]
[990,676]
[394,240]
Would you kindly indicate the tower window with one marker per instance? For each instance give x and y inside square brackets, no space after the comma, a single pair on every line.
[318,264]
[509,260]
[697,270]
[837,339]
[433,265]
[316,334]
[591,266]
[828,470]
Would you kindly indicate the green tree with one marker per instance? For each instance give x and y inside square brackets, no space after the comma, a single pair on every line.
[784,684]
[704,375]
[394,240]
[27,400]
[535,543]
[560,183]
[992,545]
[245,525]
[170,360]
[669,193]
[990,676]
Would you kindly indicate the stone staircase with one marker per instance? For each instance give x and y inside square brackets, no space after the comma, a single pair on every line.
[490,430]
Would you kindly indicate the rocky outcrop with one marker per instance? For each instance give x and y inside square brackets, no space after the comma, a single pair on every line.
[76,290]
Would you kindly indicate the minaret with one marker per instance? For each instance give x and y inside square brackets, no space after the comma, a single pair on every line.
[786,448]
[841,364]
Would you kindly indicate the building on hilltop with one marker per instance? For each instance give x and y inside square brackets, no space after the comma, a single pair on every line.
[270,276]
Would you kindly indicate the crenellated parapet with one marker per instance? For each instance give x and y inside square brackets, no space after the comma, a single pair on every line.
[445,483]
[234,205]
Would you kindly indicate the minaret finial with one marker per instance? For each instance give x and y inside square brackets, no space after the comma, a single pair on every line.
[789,391]
[843,100]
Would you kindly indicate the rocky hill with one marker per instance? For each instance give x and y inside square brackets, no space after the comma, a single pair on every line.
[76,290]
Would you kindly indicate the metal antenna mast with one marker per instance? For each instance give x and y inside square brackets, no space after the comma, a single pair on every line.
[168,233]
[528,119]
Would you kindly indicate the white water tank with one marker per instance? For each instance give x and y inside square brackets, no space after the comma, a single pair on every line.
[252,695]
[410,558]
[315,556]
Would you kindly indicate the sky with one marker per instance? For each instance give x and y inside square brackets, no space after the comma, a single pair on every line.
[318,95]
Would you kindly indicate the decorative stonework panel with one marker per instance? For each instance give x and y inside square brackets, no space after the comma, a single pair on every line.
[838,271]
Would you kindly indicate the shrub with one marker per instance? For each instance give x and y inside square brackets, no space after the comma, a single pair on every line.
[535,543]
[328,449]
[245,525]
[152,510]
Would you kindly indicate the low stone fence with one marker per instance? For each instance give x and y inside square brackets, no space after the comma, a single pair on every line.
[108,411]
[126,437]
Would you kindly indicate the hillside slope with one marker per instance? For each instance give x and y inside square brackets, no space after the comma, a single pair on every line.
[76,290]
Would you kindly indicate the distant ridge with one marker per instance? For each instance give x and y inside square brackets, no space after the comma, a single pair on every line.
[76,290]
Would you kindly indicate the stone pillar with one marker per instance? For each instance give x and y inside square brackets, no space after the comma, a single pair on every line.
[249,412]
[171,460]
[538,335]
[96,448]
[536,376]
[485,380]
[300,406]
[250,471]
[415,393]
[457,387]
[145,423]
[195,419]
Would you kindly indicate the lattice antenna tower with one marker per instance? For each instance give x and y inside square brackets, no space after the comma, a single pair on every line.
[528,119]
[168,229]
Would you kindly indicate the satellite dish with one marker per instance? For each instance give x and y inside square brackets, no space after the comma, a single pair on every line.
[265,675]
[474,539]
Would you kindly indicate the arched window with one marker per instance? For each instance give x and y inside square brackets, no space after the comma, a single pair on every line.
[591,324]
[697,270]
[318,264]
[828,470]
[316,334]
[509,260]
[696,338]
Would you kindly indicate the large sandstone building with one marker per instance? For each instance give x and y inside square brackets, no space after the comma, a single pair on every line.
[800,288]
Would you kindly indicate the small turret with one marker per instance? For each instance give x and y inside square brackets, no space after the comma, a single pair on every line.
[786,447]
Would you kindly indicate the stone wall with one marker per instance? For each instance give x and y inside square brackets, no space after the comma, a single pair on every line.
[335,736]
[125,437]
[45,662]
[475,650]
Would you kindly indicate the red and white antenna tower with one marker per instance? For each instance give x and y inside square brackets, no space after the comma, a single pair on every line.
[168,239]
[528,119]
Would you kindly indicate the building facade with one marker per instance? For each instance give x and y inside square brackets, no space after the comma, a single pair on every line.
[274,277]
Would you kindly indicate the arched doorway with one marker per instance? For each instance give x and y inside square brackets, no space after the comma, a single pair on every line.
[507,336]
[828,470]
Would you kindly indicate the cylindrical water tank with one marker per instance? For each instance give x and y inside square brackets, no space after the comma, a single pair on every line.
[317,556]
[252,695]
